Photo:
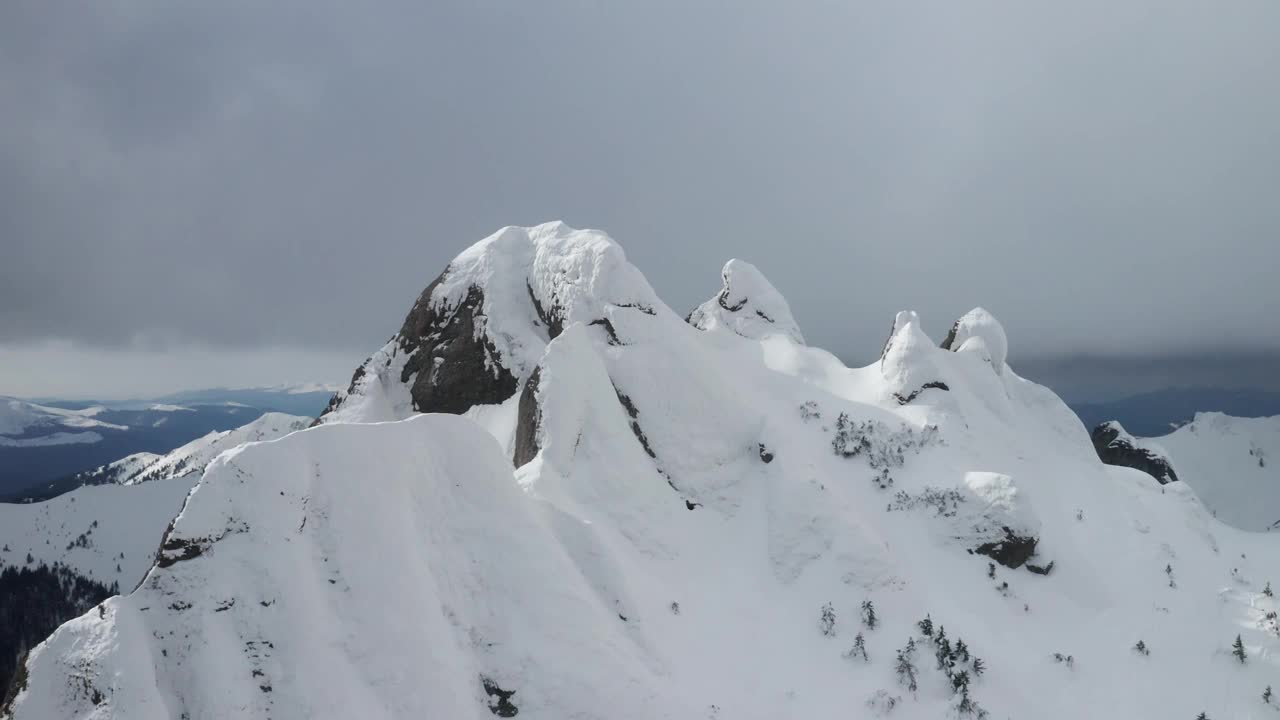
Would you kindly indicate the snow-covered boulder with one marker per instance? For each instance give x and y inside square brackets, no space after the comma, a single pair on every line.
[996,520]
[1115,446]
[747,304]
[979,331]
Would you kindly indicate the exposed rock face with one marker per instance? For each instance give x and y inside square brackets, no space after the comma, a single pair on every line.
[1012,551]
[527,418]
[450,365]
[1117,447]
[747,304]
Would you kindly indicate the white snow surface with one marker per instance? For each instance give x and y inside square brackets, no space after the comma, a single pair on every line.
[667,552]
[1232,463]
[130,523]
[979,331]
[748,305]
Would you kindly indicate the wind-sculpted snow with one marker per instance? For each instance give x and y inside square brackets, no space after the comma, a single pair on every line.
[748,305]
[978,331]
[687,503]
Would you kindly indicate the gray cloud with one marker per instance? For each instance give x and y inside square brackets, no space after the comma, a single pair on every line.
[236,175]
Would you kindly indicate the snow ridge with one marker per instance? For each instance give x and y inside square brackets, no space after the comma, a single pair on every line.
[699,527]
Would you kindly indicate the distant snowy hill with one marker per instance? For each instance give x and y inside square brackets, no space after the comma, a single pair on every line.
[1232,464]
[43,443]
[626,515]
[1157,413]
[192,457]
[24,424]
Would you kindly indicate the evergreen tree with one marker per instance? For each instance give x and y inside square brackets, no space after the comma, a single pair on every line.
[979,667]
[944,655]
[960,681]
[827,621]
[859,648]
[962,651]
[1202,716]
[1266,695]
[926,626]
[869,615]
[1237,649]
[1168,570]
[1141,647]
[905,669]
[991,570]
[1265,591]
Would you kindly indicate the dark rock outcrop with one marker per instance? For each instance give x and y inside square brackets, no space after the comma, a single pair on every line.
[456,367]
[527,419]
[451,366]
[1013,551]
[1117,447]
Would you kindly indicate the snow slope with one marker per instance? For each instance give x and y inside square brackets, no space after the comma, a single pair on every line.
[686,503]
[122,528]
[1233,464]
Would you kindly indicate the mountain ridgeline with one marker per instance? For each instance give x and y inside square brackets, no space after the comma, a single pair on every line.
[613,510]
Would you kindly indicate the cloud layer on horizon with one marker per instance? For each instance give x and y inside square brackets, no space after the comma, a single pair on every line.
[237,176]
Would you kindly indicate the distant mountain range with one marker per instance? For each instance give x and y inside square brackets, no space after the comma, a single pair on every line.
[1156,413]
[47,440]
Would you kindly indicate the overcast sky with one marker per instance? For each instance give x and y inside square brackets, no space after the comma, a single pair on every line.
[204,193]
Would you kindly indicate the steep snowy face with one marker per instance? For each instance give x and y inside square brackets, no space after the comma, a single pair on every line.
[978,331]
[664,522]
[748,304]
[1115,446]
[286,590]
[1232,463]
[479,329]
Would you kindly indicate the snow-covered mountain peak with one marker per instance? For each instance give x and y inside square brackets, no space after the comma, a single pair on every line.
[979,331]
[479,329]
[909,358]
[747,304]
[695,525]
